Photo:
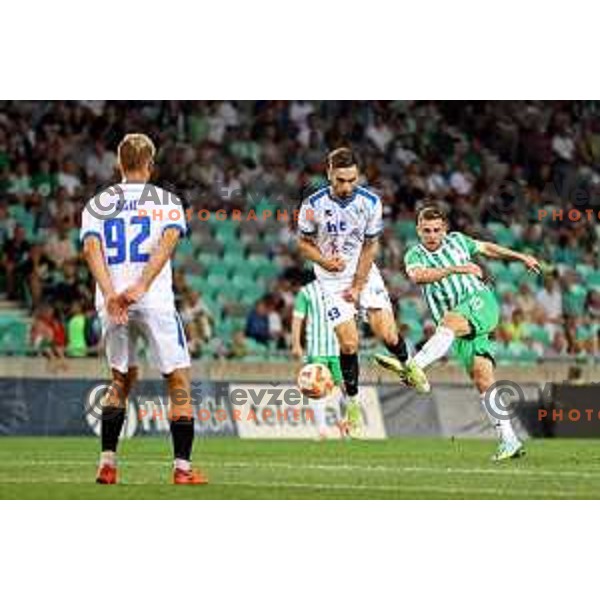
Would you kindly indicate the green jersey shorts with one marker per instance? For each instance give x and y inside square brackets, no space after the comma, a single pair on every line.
[483,313]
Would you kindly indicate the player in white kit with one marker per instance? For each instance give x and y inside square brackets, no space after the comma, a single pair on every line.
[339,227]
[128,252]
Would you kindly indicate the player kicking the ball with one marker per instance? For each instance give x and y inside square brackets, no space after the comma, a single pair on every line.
[465,310]
[339,227]
[129,255]
[321,348]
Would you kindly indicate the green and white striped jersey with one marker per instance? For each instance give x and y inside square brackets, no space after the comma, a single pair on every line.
[320,336]
[443,295]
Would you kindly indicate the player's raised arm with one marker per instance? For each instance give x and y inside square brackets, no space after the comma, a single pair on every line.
[490,250]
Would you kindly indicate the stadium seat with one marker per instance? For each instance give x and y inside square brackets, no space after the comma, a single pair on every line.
[539,333]
[217,280]
[218,268]
[584,270]
[14,335]
[404,229]
[593,279]
[517,269]
[196,282]
[233,260]
[185,248]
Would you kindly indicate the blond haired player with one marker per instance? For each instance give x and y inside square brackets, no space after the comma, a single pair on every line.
[466,312]
[128,253]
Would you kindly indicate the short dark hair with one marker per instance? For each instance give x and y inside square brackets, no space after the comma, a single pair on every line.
[431,212]
[341,158]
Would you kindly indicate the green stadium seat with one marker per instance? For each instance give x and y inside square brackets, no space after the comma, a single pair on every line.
[502,287]
[584,270]
[14,335]
[266,270]
[216,281]
[196,282]
[218,268]
[517,269]
[593,279]
[405,229]
[496,268]
[539,333]
[503,235]
[185,248]
[574,300]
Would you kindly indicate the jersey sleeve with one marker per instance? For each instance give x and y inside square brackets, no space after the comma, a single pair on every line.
[176,219]
[301,305]
[413,259]
[471,245]
[306,219]
[374,226]
[90,225]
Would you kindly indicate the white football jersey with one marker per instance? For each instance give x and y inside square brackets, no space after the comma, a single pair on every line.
[130,235]
[340,227]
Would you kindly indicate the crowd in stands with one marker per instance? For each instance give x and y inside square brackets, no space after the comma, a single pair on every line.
[504,170]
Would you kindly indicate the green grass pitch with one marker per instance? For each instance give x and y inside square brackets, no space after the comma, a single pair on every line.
[400,468]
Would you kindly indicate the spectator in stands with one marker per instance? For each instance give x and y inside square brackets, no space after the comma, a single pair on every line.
[238,347]
[7,224]
[549,299]
[559,347]
[100,164]
[592,306]
[14,251]
[36,272]
[516,330]
[48,338]
[76,326]
[70,289]
[526,301]
[198,321]
[275,306]
[257,324]
[508,306]
[60,246]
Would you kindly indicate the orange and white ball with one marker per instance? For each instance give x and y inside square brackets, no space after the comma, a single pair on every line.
[315,381]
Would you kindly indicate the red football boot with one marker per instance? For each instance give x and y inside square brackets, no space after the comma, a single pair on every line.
[107,474]
[191,477]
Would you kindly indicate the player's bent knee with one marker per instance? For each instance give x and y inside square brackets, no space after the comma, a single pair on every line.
[349,348]
[457,323]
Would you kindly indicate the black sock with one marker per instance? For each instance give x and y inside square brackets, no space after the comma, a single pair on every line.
[113,418]
[399,349]
[349,365]
[182,430]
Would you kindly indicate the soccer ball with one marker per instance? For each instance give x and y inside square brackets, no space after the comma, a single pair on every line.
[315,381]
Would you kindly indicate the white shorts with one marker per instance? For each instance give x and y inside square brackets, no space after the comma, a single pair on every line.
[161,329]
[339,310]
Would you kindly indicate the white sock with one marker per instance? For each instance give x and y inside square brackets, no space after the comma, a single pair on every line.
[318,407]
[435,348]
[352,399]
[108,457]
[341,402]
[494,410]
[184,465]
